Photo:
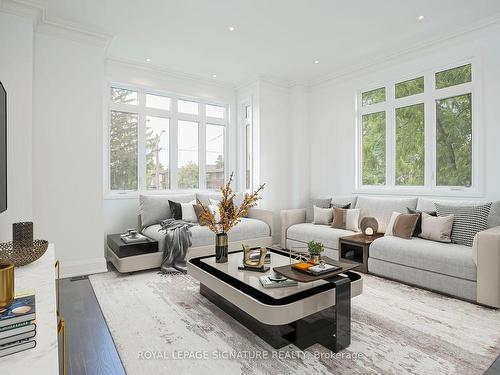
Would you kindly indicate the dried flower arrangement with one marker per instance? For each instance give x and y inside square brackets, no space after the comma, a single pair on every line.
[230,214]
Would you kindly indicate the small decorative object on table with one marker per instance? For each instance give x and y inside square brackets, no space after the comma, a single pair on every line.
[254,263]
[22,256]
[6,285]
[22,234]
[315,249]
[229,215]
[368,225]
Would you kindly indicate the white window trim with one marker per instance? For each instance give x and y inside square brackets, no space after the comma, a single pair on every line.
[428,99]
[173,117]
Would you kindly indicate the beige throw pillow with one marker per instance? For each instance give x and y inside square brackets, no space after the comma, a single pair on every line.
[346,219]
[322,216]
[436,228]
[390,224]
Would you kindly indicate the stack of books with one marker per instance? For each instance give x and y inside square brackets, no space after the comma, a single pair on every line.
[315,270]
[17,325]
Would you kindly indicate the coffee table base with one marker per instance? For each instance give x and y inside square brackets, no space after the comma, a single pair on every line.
[330,327]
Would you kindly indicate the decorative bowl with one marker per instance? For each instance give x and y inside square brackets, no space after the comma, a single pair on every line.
[21,254]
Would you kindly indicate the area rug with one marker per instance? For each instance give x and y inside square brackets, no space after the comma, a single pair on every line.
[162,325]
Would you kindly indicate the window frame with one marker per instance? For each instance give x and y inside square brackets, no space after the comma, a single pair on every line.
[173,116]
[428,98]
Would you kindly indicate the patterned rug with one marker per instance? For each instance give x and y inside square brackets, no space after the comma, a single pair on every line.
[162,325]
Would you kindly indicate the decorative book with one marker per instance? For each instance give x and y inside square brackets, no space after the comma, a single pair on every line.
[16,347]
[132,239]
[267,282]
[21,310]
[312,269]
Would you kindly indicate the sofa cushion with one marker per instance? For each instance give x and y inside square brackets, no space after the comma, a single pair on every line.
[382,208]
[247,229]
[155,208]
[467,221]
[428,204]
[344,200]
[445,258]
[307,232]
[318,202]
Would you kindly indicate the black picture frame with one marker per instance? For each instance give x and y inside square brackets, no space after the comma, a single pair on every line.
[3,148]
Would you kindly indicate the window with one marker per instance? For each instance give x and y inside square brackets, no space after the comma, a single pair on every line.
[454,141]
[123,151]
[159,141]
[247,123]
[374,148]
[157,153]
[188,107]
[188,174]
[156,101]
[215,156]
[419,133]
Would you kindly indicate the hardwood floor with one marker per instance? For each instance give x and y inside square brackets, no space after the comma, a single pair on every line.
[89,346]
[494,368]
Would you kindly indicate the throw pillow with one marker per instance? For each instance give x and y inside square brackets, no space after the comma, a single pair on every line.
[318,202]
[175,209]
[346,219]
[323,216]
[390,224]
[404,225]
[468,221]
[436,228]
[215,210]
[418,227]
[198,209]
[188,212]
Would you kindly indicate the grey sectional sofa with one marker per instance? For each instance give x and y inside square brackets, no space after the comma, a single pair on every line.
[254,230]
[471,273]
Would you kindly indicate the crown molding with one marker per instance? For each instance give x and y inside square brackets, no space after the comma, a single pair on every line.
[382,58]
[162,72]
[37,12]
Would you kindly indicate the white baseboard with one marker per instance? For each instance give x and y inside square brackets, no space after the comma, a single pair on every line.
[71,268]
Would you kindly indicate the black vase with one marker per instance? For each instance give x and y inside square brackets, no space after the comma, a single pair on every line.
[221,248]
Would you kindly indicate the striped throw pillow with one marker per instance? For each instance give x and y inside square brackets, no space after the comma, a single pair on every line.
[468,221]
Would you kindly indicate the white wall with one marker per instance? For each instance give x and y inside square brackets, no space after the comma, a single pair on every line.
[281,147]
[332,110]
[121,213]
[67,150]
[16,74]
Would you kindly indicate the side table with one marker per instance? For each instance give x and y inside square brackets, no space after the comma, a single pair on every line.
[356,248]
[123,249]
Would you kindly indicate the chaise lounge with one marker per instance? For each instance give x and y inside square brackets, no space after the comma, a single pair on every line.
[254,230]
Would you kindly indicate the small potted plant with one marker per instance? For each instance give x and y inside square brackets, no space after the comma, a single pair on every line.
[315,249]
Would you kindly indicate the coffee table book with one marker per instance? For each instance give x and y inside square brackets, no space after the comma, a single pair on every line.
[21,310]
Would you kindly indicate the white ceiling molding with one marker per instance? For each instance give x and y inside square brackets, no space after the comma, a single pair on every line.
[385,57]
[162,72]
[36,10]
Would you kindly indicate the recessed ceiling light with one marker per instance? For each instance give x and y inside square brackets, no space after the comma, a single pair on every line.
[420,18]
[231,28]
[214,75]
[148,59]
[316,61]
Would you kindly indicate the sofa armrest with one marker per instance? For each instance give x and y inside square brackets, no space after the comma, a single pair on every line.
[289,218]
[264,215]
[486,255]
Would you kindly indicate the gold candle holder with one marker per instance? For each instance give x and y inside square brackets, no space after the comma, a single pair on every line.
[6,285]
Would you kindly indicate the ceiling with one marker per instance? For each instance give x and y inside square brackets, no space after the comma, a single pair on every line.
[279,39]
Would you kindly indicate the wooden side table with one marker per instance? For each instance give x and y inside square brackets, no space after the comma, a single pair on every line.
[356,248]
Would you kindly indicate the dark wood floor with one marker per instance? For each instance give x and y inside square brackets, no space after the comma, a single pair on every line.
[495,368]
[89,346]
